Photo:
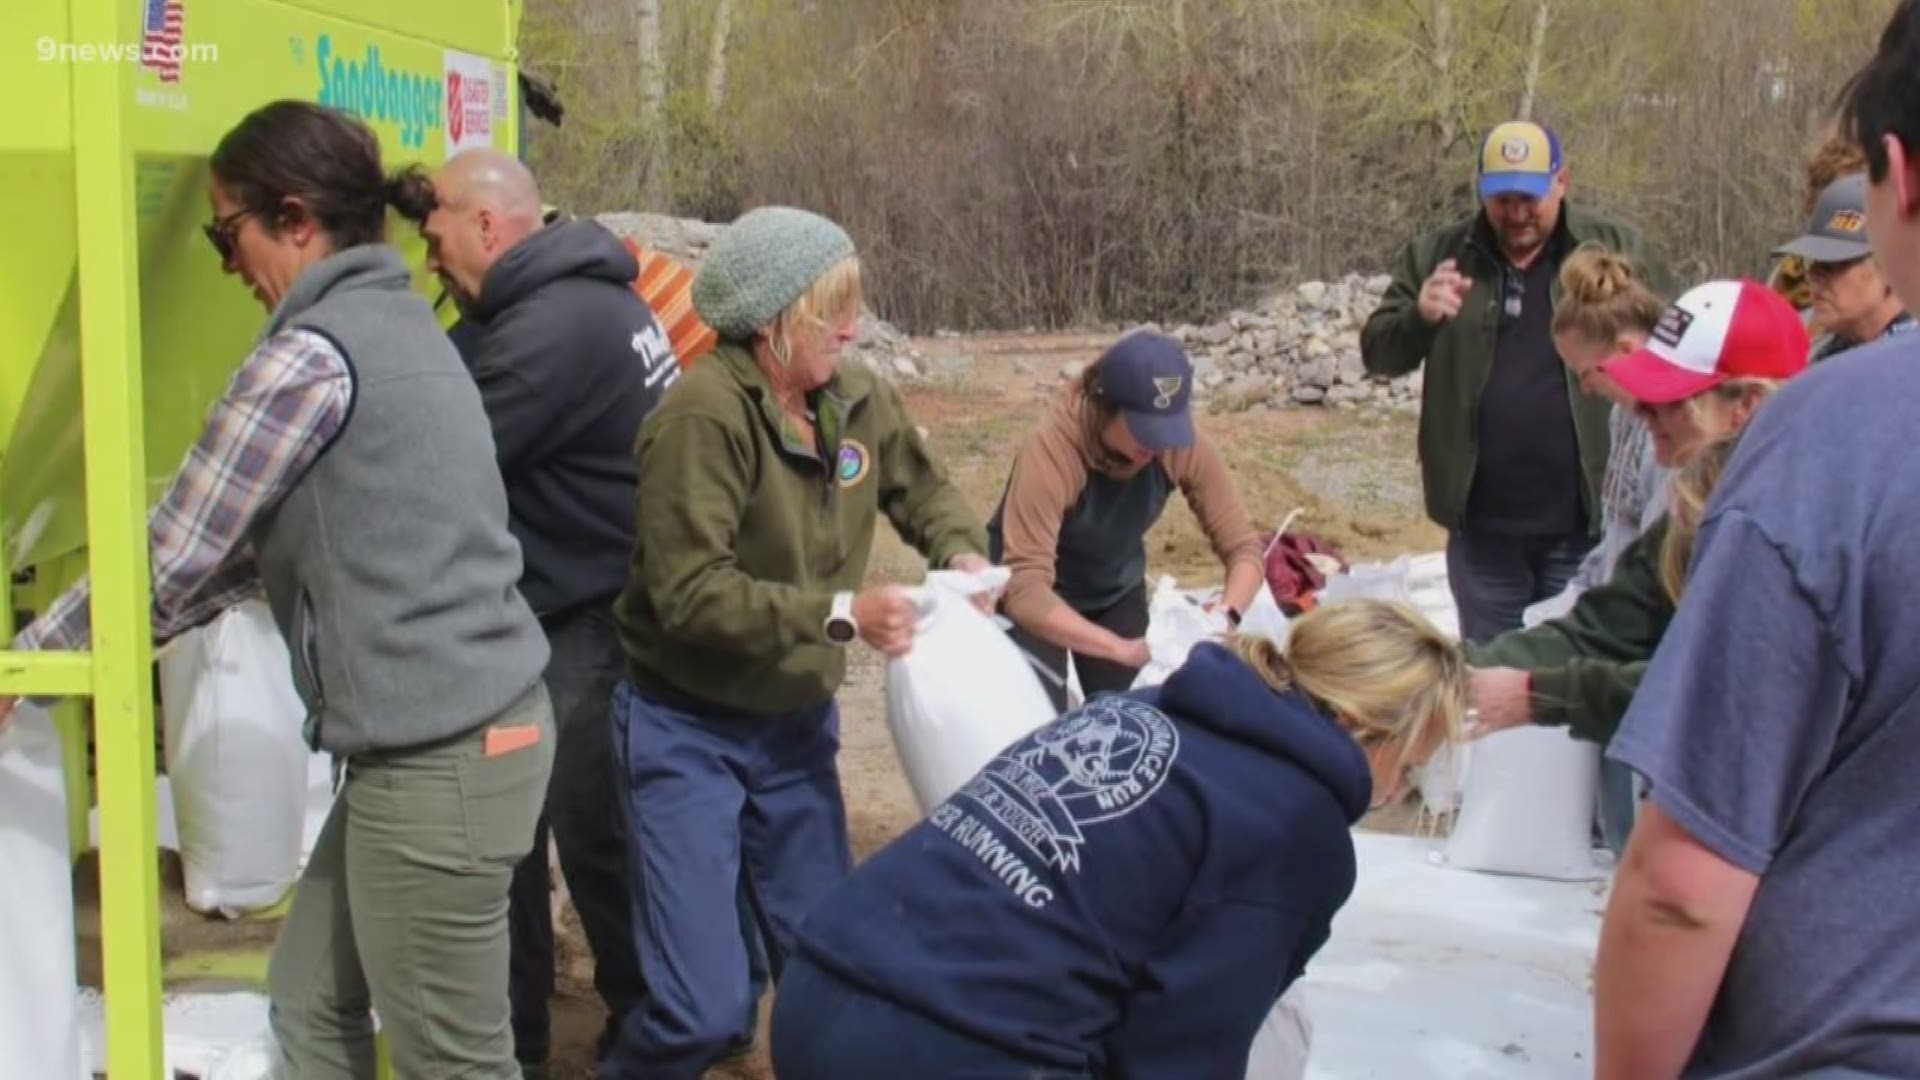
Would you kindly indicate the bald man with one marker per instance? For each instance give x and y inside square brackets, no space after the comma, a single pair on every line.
[569,360]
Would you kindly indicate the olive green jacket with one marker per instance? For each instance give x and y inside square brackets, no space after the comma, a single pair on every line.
[745,532]
[1458,353]
[1587,663]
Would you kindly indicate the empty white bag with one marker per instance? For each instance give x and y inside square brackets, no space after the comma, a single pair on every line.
[39,990]
[1528,806]
[237,761]
[961,695]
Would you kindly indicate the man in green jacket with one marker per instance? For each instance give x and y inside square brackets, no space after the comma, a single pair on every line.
[1512,451]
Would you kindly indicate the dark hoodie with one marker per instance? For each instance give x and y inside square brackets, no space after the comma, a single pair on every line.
[569,361]
[1125,892]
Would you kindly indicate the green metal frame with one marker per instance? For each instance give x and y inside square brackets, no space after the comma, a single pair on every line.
[115,672]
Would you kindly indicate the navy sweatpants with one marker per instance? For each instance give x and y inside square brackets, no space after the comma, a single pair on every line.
[710,797]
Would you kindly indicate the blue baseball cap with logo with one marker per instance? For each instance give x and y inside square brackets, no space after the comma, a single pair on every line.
[1148,377]
[1519,157]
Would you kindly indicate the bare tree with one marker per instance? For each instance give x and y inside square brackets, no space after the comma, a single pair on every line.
[1542,14]
[717,55]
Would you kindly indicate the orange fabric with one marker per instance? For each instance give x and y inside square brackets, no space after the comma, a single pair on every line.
[667,287]
[505,740]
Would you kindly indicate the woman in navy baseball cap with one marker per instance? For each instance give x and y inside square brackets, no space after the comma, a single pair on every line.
[1086,487]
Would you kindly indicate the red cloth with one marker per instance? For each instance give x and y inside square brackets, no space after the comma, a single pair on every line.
[1291,576]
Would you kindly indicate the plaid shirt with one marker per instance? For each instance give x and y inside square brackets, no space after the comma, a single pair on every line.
[283,407]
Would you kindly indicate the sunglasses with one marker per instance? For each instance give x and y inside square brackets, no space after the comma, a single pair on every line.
[1829,271]
[224,232]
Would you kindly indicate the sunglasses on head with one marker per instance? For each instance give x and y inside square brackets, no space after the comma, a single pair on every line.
[224,232]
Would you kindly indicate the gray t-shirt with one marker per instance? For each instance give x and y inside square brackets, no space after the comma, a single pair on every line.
[1779,724]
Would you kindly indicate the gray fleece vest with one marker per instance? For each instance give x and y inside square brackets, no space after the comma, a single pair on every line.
[389,566]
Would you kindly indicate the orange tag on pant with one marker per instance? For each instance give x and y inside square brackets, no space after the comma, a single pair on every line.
[505,740]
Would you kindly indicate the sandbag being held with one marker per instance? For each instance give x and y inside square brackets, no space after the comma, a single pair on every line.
[237,760]
[963,693]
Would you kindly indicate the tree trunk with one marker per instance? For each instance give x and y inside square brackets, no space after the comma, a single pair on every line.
[646,17]
[1542,14]
[717,55]
[1443,69]
[651,75]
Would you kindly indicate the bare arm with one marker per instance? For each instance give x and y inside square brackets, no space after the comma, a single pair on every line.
[1676,911]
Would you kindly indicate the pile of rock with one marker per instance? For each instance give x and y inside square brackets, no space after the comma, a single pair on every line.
[879,345]
[1300,348]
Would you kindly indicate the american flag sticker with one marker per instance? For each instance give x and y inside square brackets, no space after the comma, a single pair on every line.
[160,38]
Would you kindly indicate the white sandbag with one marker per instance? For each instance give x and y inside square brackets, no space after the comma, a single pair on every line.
[1528,806]
[1281,1046]
[237,760]
[960,696]
[39,988]
[321,786]
[1178,619]
[1176,622]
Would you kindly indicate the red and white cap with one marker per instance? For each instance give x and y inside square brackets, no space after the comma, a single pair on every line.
[1718,331]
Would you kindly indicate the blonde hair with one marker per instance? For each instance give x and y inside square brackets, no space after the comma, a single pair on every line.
[1836,156]
[1386,672]
[1687,495]
[1729,392]
[1602,297]
[834,295]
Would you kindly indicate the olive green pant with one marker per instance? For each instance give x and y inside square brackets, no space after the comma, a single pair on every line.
[403,909]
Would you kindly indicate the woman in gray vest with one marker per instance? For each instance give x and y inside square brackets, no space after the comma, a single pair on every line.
[349,470]
[1086,486]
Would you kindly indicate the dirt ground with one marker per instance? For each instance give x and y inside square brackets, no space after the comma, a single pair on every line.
[1352,473]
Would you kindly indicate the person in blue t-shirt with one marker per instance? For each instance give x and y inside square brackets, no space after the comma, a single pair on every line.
[1762,922]
[1127,891]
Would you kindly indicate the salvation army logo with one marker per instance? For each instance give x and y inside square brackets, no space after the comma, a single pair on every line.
[1098,763]
[1513,151]
[853,463]
[456,116]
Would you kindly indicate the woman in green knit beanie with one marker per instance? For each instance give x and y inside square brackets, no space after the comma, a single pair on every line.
[762,475]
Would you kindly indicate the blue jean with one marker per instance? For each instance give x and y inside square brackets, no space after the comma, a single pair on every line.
[713,798]
[583,809]
[824,1028]
[1495,578]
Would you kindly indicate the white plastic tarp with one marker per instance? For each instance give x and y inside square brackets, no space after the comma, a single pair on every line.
[1449,976]
[214,1036]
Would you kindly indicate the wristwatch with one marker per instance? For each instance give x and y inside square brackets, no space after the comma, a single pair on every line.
[841,629]
[1233,618]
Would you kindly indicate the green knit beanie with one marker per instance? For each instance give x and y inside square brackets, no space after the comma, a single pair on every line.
[762,263]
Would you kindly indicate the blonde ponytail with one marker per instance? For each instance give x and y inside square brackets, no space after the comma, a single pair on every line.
[1387,674]
[1602,297]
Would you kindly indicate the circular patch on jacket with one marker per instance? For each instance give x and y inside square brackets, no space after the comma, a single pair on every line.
[853,464]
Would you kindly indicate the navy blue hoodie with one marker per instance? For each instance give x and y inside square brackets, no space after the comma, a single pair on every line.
[1128,890]
[569,361]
